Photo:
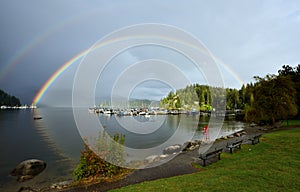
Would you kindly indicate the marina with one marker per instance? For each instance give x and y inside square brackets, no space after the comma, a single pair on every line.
[228,114]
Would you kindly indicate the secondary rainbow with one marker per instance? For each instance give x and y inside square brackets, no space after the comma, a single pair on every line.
[37,40]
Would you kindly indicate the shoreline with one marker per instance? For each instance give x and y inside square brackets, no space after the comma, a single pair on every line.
[183,163]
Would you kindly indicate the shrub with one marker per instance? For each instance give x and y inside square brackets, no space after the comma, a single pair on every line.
[93,167]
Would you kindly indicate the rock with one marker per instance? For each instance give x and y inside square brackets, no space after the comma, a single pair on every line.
[186,146]
[136,163]
[25,178]
[28,169]
[163,156]
[61,185]
[263,129]
[152,158]
[27,189]
[199,141]
[191,145]
[253,124]
[172,149]
[192,148]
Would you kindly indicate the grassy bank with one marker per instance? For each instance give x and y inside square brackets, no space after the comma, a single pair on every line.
[294,122]
[272,165]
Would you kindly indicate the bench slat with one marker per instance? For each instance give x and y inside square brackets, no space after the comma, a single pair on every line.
[255,139]
[206,156]
[236,144]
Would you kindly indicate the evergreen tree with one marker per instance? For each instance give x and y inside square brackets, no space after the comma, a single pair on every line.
[274,99]
[8,100]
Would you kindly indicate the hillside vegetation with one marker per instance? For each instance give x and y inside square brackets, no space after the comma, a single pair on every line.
[270,99]
[8,100]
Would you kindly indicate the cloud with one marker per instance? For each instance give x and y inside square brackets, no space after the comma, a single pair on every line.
[251,37]
[152,90]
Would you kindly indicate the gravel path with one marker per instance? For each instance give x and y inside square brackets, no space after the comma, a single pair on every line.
[179,165]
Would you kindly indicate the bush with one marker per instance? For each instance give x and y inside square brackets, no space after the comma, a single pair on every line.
[92,167]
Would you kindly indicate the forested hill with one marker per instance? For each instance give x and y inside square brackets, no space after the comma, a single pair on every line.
[8,100]
[268,100]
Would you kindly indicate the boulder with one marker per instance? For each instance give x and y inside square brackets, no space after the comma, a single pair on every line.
[187,146]
[28,169]
[152,158]
[192,148]
[61,185]
[163,156]
[172,149]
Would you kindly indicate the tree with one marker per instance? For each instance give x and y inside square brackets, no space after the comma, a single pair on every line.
[274,99]
[286,70]
[8,100]
[294,75]
[233,99]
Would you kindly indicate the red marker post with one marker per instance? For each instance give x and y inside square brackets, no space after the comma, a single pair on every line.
[205,132]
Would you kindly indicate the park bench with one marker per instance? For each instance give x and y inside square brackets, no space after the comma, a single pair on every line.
[210,154]
[254,140]
[234,145]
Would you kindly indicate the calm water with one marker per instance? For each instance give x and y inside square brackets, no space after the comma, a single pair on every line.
[56,140]
[53,139]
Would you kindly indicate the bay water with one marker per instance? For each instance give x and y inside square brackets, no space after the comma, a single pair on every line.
[56,140]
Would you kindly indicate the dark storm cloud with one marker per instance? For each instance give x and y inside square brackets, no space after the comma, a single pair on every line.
[38,37]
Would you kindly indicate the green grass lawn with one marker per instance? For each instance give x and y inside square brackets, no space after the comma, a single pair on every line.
[271,165]
[290,122]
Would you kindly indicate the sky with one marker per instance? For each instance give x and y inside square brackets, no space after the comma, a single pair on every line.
[248,38]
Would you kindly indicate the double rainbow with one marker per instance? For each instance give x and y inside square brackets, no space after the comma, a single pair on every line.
[79,56]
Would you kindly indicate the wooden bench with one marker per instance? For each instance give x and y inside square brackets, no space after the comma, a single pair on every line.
[208,155]
[234,145]
[254,140]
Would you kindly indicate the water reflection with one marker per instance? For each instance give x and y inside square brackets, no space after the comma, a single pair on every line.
[23,138]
